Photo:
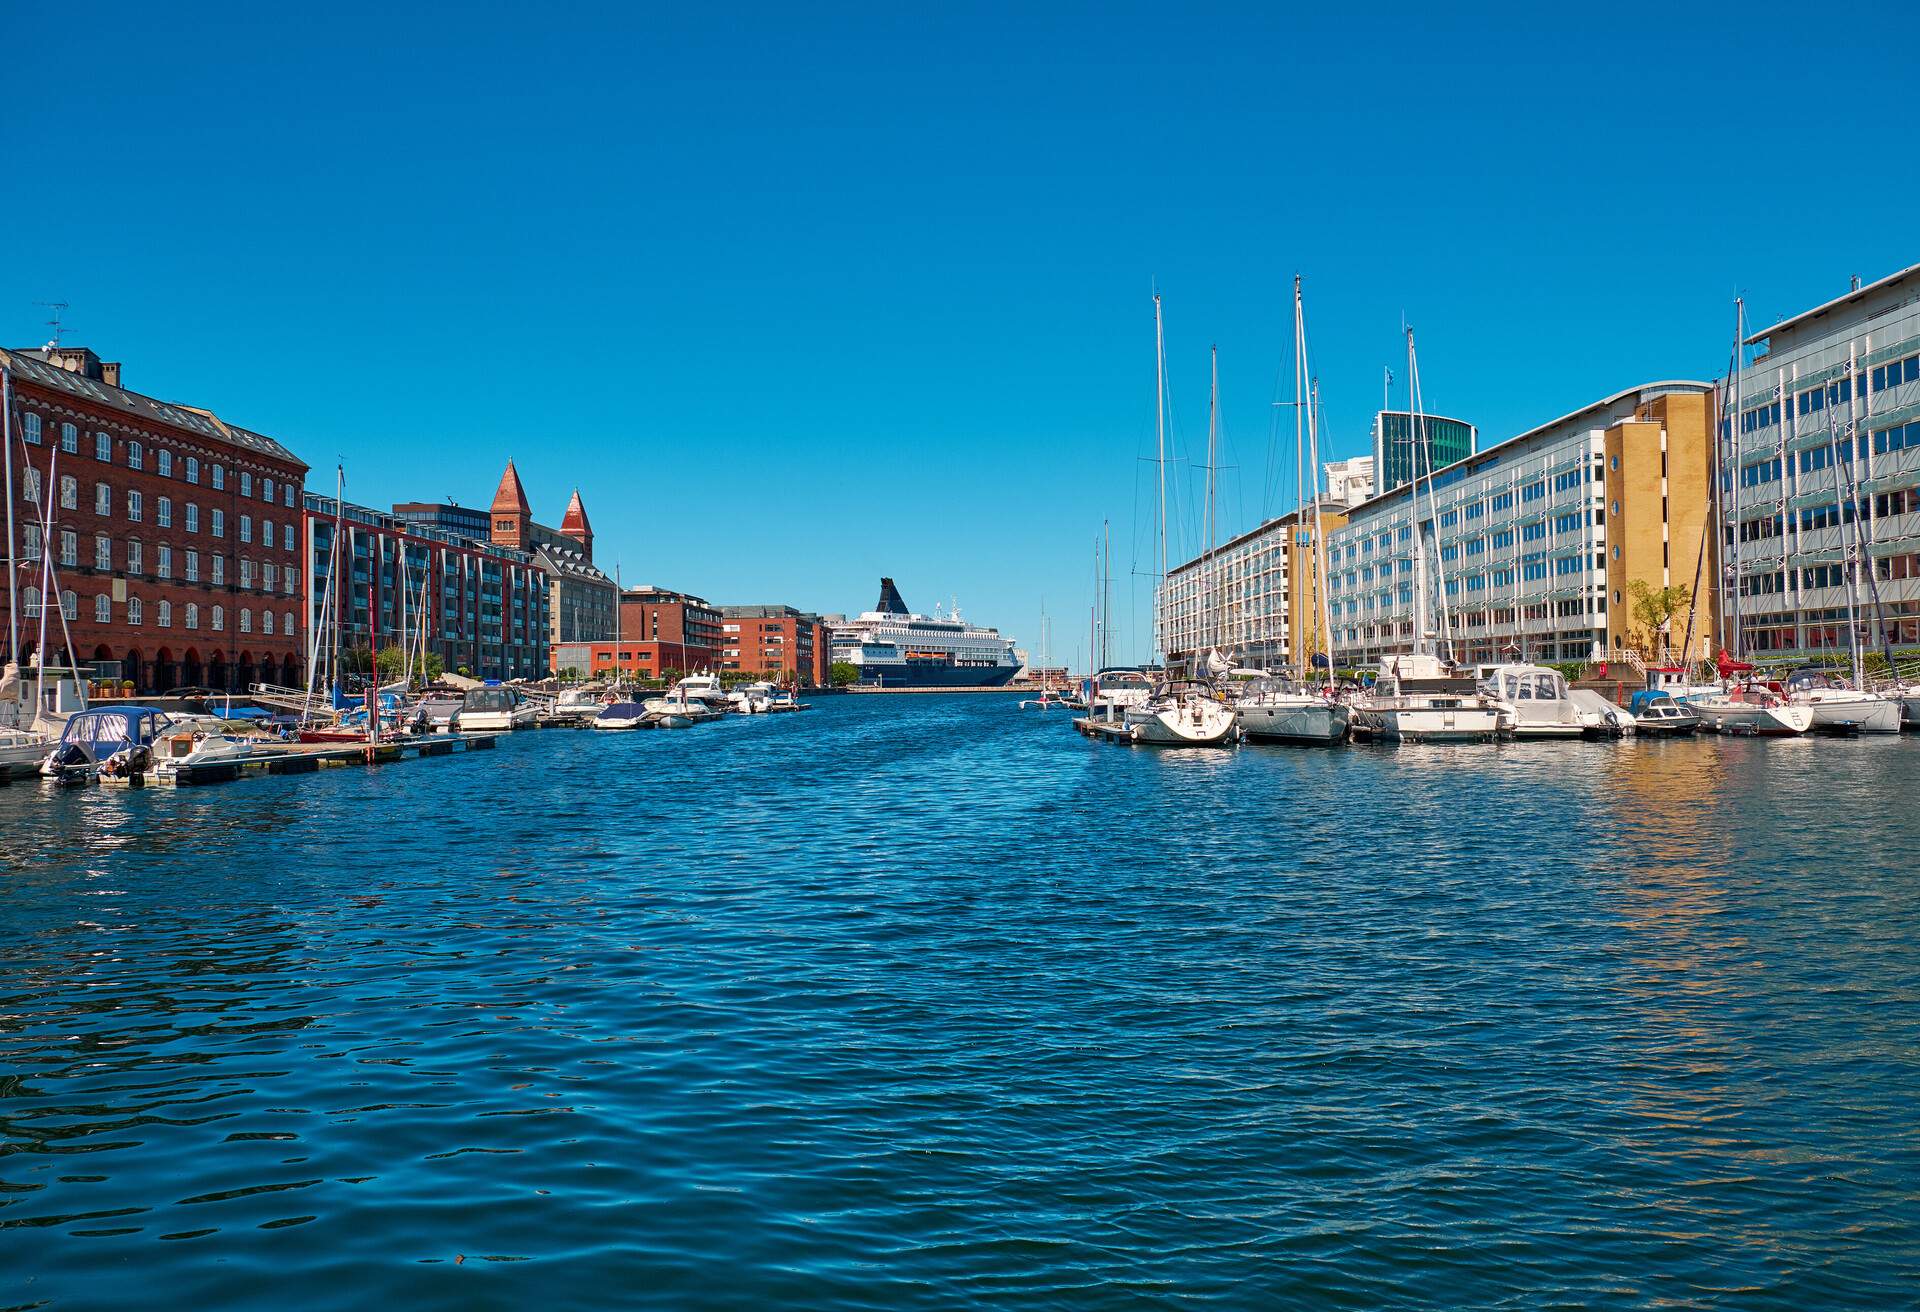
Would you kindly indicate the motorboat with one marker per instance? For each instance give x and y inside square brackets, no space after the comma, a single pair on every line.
[1751,708]
[1838,707]
[1658,714]
[620,715]
[1182,713]
[1048,700]
[668,711]
[1276,710]
[438,714]
[751,698]
[21,744]
[192,753]
[694,689]
[1599,717]
[1533,702]
[493,709]
[1418,697]
[110,742]
[786,700]
[1113,692]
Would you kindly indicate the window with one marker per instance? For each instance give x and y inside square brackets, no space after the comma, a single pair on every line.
[219,620]
[193,616]
[164,569]
[266,622]
[102,551]
[133,610]
[193,518]
[286,495]
[266,490]
[286,537]
[193,471]
[134,563]
[133,505]
[102,499]
[246,528]
[246,620]
[218,476]
[30,603]
[287,620]
[286,581]
[70,439]
[69,547]
[103,447]
[30,545]
[163,615]
[30,485]
[32,435]
[266,533]
[102,609]
[193,567]
[69,492]
[219,570]
[269,575]
[134,456]
[163,512]
[70,604]
[246,572]
[219,522]
[246,484]
[163,463]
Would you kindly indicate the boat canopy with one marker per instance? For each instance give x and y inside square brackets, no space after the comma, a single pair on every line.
[621,711]
[110,726]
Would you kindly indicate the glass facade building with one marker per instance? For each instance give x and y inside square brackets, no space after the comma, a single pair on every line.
[1396,455]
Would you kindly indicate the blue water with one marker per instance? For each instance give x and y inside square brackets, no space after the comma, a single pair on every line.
[925,1002]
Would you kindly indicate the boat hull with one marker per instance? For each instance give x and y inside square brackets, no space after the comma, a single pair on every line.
[1193,724]
[1429,724]
[934,674]
[1855,715]
[1312,721]
[1765,721]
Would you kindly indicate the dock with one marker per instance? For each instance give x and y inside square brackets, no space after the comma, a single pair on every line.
[1113,731]
[925,688]
[306,758]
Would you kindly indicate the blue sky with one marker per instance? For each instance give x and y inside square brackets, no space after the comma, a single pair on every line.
[803,298]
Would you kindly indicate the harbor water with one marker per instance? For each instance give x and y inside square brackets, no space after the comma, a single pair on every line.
[916,1002]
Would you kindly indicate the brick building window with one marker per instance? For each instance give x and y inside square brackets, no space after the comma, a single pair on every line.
[193,469]
[286,537]
[218,476]
[133,610]
[30,603]
[163,615]
[102,499]
[134,564]
[266,490]
[30,544]
[102,609]
[219,523]
[193,518]
[70,604]
[193,616]
[266,622]
[219,570]
[102,551]
[164,568]
[193,567]
[31,423]
[246,484]
[163,512]
[219,618]
[103,447]
[69,492]
[286,496]
[134,456]
[246,528]
[133,505]
[69,547]
[30,486]
[163,463]
[70,439]
[246,572]
[246,620]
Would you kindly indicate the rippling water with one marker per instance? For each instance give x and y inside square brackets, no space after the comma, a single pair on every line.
[919,1002]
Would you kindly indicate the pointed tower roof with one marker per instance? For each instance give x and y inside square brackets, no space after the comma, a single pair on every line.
[574,522]
[511,498]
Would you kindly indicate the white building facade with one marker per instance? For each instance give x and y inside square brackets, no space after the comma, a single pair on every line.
[1233,598]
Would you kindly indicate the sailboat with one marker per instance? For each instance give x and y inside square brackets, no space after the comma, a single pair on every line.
[1279,709]
[1420,696]
[1185,712]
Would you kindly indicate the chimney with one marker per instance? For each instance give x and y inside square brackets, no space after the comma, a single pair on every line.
[110,372]
[1856,283]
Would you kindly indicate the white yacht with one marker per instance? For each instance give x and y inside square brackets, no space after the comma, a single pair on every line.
[619,715]
[1182,714]
[1534,701]
[1275,710]
[702,691]
[182,753]
[1839,707]
[1751,709]
[1418,697]
[495,710]
[752,698]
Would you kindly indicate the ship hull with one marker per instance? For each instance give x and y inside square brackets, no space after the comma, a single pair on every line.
[933,675]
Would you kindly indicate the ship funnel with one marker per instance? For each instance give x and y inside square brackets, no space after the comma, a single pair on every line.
[890,603]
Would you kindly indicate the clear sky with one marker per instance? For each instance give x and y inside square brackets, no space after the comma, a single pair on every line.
[803,295]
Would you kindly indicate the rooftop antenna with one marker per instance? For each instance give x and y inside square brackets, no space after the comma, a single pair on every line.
[58,308]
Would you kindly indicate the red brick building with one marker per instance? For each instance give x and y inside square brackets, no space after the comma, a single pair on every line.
[682,630]
[777,643]
[166,538]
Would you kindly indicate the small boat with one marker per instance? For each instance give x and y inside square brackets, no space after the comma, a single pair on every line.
[1838,707]
[785,700]
[186,753]
[1751,709]
[1276,710]
[112,742]
[620,715]
[493,709]
[1533,702]
[751,698]
[670,720]
[1657,714]
[1182,713]
[1418,697]
[701,689]
[1048,700]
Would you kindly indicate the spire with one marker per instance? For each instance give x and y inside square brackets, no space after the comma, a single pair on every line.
[574,522]
[511,499]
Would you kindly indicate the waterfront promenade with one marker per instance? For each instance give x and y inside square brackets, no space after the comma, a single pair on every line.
[925,1002]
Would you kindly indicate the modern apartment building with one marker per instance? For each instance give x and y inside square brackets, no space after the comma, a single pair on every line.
[775,642]
[1240,598]
[1400,435]
[482,607]
[1532,546]
[1824,472]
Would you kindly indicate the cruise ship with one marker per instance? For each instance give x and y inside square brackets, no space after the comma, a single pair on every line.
[895,648]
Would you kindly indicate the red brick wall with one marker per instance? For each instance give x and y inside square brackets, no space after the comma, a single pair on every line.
[775,647]
[224,651]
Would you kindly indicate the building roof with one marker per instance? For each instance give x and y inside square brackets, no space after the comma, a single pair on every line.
[1859,293]
[569,561]
[30,366]
[574,522]
[511,498]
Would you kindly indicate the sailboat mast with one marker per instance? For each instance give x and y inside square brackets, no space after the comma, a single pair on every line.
[1295,643]
[1213,431]
[1729,573]
[1323,606]
[1160,459]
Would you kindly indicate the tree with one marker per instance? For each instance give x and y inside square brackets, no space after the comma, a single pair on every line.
[842,673]
[1655,608]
